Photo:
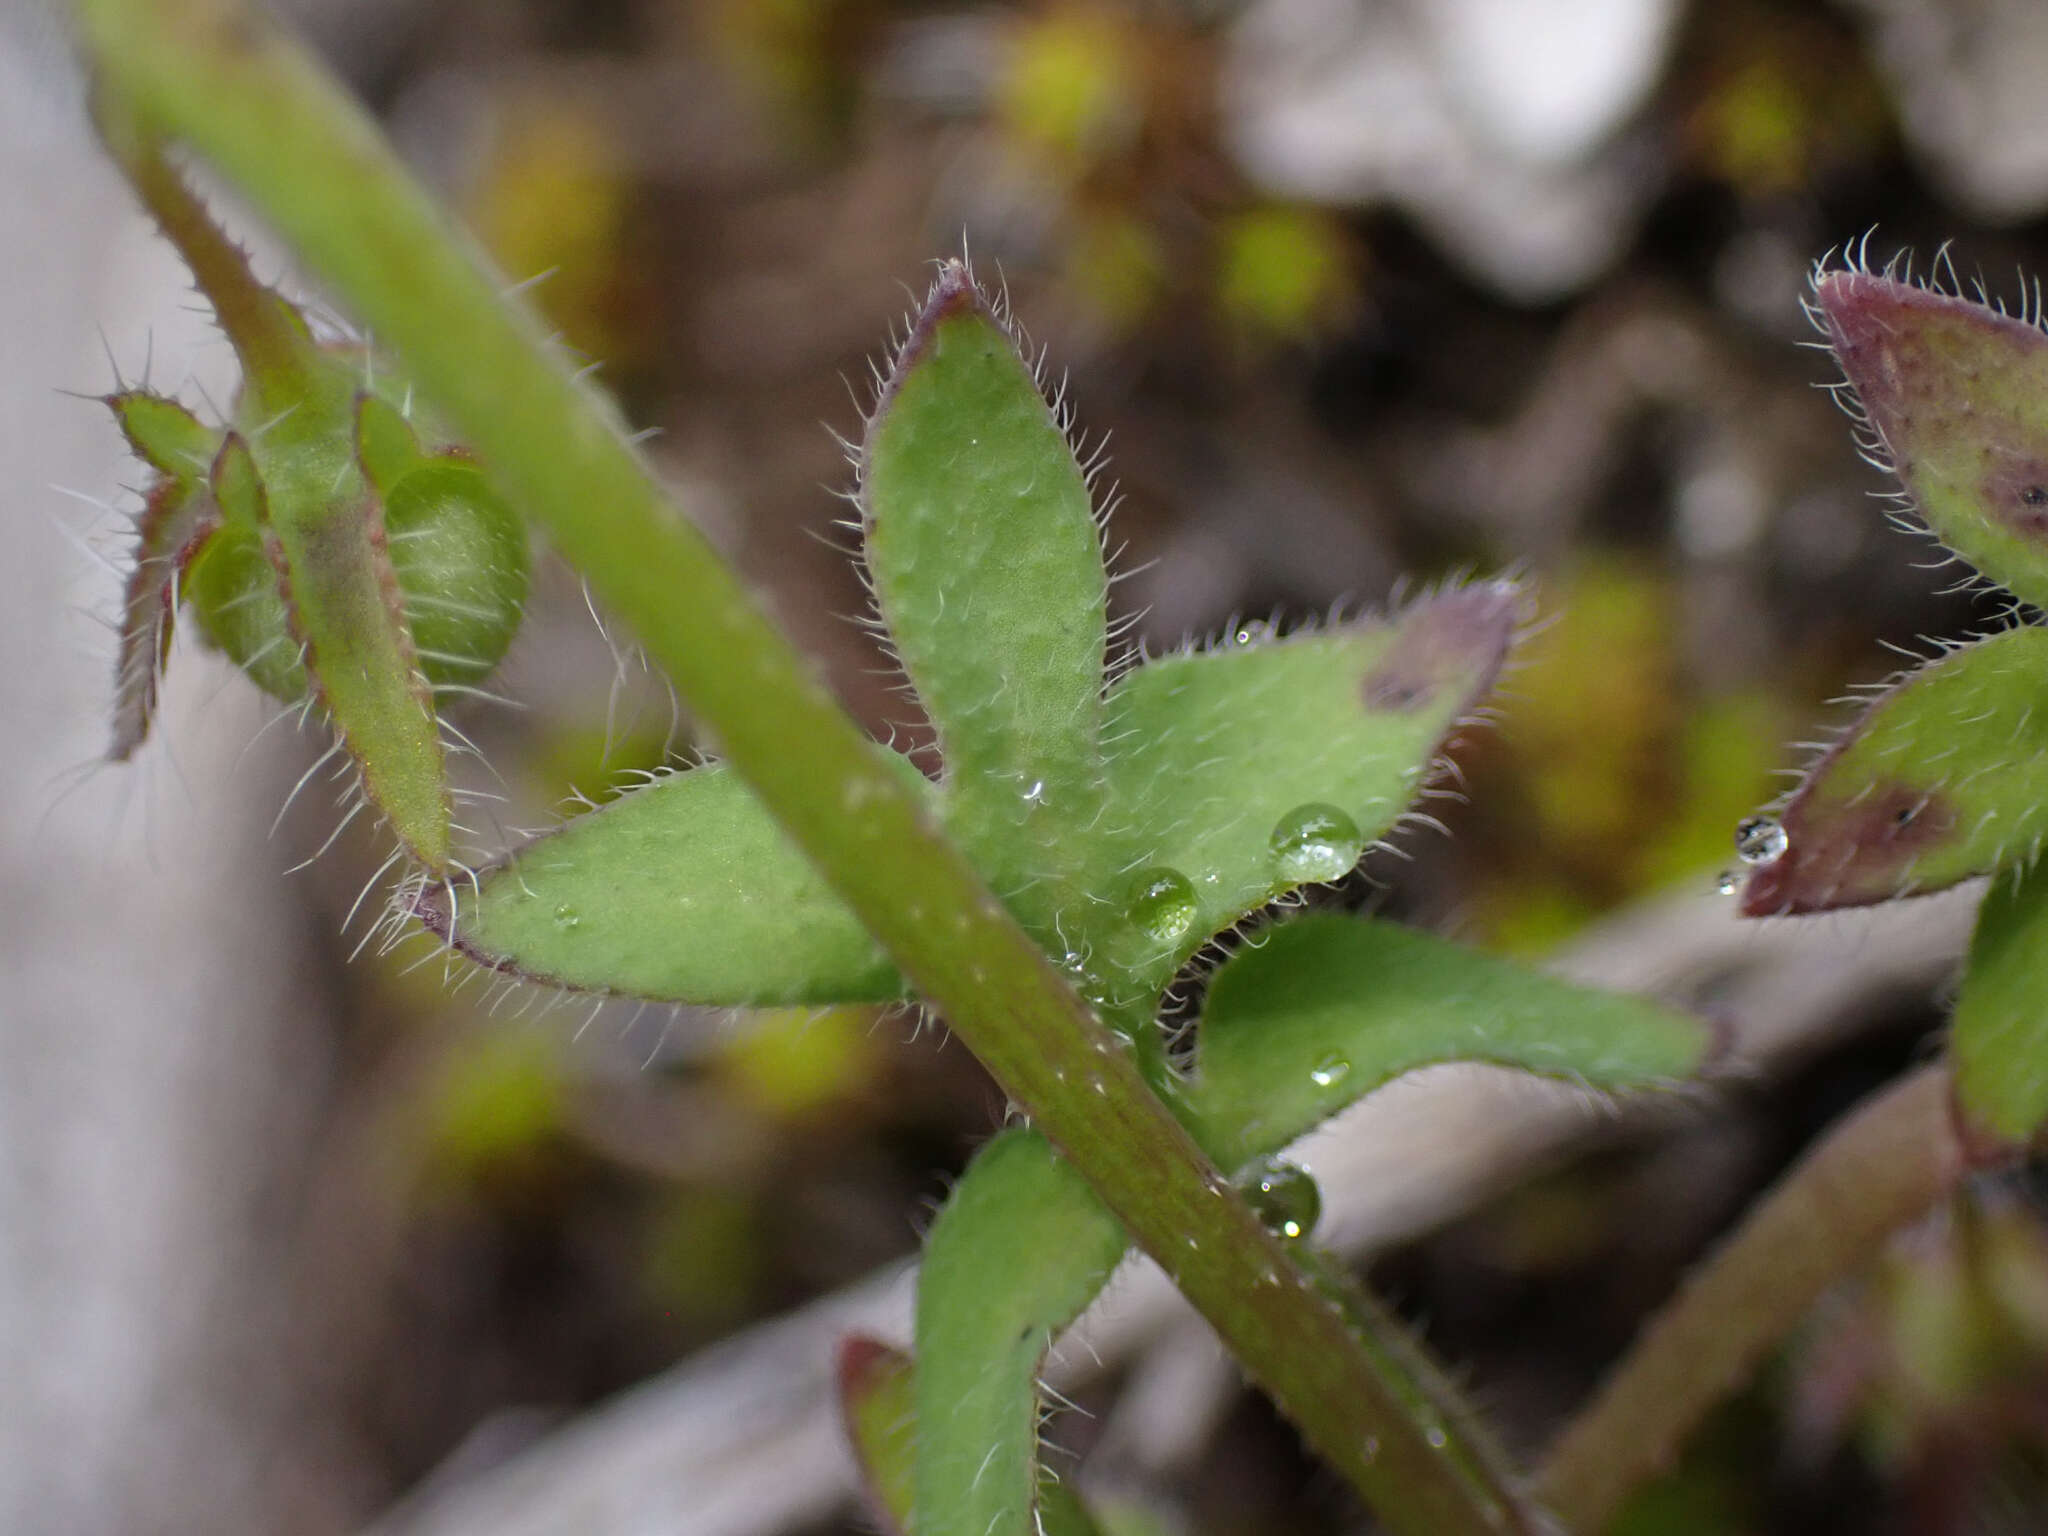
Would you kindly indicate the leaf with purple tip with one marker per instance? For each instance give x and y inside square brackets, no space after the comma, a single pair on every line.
[1957,395]
[987,569]
[1944,777]
[1254,769]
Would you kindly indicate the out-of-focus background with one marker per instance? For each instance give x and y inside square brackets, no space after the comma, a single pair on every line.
[1362,291]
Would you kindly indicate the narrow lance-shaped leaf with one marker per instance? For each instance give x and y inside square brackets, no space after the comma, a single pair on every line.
[1020,1248]
[1944,777]
[685,891]
[1958,397]
[876,1403]
[1239,774]
[1999,1040]
[326,536]
[177,516]
[1315,1013]
[987,569]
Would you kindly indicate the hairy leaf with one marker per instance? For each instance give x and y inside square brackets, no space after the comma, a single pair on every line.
[1999,1042]
[346,613]
[685,891]
[177,516]
[987,569]
[1944,777]
[1315,1013]
[1249,771]
[1958,397]
[876,1403]
[1020,1248]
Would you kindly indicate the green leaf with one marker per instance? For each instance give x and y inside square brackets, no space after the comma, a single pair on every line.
[1957,395]
[685,891]
[1315,1013]
[876,1402]
[987,569]
[1249,771]
[1944,777]
[387,449]
[1021,1247]
[167,437]
[323,531]
[1999,1044]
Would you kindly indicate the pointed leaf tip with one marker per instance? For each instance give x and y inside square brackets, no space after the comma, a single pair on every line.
[987,567]
[684,891]
[1957,394]
[1457,639]
[164,435]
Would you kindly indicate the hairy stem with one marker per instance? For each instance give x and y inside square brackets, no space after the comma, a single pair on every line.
[266,335]
[1886,1164]
[267,117]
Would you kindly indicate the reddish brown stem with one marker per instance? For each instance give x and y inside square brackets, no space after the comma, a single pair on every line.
[1888,1163]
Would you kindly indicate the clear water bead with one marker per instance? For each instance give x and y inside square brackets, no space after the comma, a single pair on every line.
[1315,842]
[1729,883]
[1329,1071]
[1283,1195]
[1759,840]
[1163,907]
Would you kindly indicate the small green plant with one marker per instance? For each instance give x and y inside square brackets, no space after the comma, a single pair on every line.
[1125,822]
[1099,822]
[342,552]
[1099,828]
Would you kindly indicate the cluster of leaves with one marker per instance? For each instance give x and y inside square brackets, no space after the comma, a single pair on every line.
[1944,776]
[327,538]
[1125,821]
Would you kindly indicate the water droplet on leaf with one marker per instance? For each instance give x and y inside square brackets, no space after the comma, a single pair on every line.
[1315,842]
[1283,1195]
[567,916]
[1164,907]
[1035,795]
[1759,840]
[1729,883]
[1330,1071]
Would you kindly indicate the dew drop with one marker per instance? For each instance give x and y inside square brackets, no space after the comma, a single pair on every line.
[1759,840]
[567,916]
[1163,907]
[1283,1195]
[1035,795]
[1315,842]
[1729,883]
[1436,1437]
[1330,1071]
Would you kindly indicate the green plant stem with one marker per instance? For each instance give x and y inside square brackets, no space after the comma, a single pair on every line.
[264,114]
[1886,1164]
